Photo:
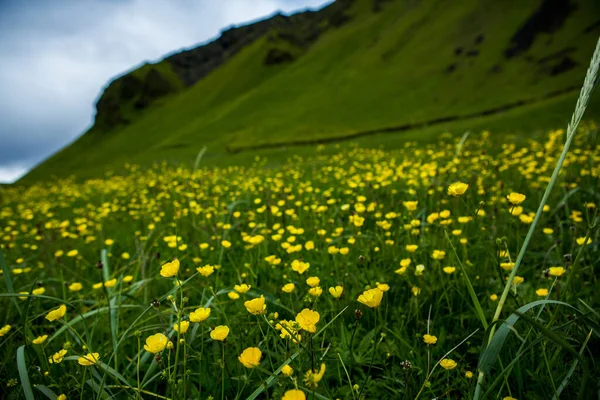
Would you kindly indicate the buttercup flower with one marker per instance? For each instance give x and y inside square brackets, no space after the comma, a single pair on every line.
[57,357]
[313,281]
[312,378]
[39,340]
[556,271]
[516,198]
[89,359]
[206,271]
[542,292]
[288,288]
[4,330]
[371,298]
[184,327]
[336,292]
[220,333]
[256,306]
[429,339]
[201,314]
[287,370]
[170,269]
[294,394]
[250,358]
[75,287]
[457,189]
[156,343]
[243,288]
[308,319]
[448,363]
[57,314]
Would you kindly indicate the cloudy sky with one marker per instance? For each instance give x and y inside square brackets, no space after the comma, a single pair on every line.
[58,55]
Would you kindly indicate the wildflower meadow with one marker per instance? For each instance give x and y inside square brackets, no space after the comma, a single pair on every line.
[464,268]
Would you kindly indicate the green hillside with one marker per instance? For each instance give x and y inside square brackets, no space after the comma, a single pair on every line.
[379,72]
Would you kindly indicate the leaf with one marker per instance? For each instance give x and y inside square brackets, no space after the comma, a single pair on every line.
[22,367]
[470,289]
[113,312]
[490,353]
[47,392]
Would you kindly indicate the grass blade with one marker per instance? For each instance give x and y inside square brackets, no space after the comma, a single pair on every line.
[8,280]
[22,367]
[47,392]
[567,378]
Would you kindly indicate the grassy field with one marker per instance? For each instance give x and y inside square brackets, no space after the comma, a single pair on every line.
[352,273]
[411,63]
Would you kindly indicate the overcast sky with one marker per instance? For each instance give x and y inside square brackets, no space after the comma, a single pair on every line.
[57,55]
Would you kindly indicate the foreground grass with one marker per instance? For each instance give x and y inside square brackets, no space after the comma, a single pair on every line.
[332,269]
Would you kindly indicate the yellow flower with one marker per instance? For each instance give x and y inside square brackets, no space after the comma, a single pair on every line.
[468,374]
[518,280]
[309,246]
[233,295]
[89,359]
[448,363]
[156,343]
[57,357]
[438,254]
[128,278]
[219,332]
[312,378]
[125,256]
[548,231]
[250,358]
[581,241]
[336,292]
[300,266]
[411,205]
[415,290]
[457,189]
[313,281]
[294,394]
[109,242]
[384,287]
[243,288]
[170,269]
[494,297]
[411,248]
[4,330]
[75,287]
[287,370]
[110,283]
[556,271]
[184,327]
[256,306]
[72,253]
[371,298]
[40,339]
[206,271]
[97,285]
[57,313]
[516,198]
[316,291]
[542,292]
[58,253]
[429,339]
[38,291]
[449,270]
[308,319]
[62,397]
[509,398]
[201,314]
[507,266]
[226,243]
[288,288]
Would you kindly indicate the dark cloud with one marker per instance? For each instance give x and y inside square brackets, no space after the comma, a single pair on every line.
[57,55]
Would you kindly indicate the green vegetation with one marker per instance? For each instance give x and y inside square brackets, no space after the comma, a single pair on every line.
[410,63]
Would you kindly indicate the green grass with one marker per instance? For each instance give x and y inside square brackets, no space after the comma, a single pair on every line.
[378,70]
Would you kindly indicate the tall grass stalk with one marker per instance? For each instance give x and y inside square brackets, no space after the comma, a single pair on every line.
[582,102]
